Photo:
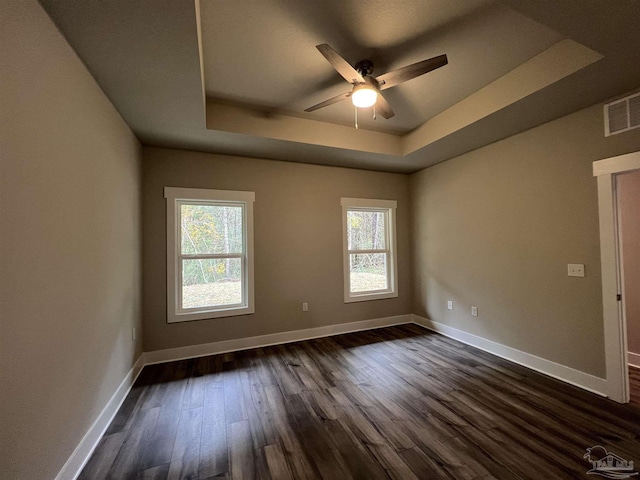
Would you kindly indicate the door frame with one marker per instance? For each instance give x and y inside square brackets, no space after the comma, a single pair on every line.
[615,327]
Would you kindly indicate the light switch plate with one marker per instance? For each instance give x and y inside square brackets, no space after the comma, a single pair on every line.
[575,269]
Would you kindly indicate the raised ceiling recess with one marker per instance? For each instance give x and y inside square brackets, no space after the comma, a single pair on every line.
[236,77]
[496,58]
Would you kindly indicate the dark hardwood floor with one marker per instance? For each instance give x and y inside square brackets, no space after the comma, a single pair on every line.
[398,402]
[634,384]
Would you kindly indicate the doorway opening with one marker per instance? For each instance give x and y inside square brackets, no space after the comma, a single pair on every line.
[613,284]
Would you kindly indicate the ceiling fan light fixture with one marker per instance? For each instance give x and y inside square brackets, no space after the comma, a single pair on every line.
[364,96]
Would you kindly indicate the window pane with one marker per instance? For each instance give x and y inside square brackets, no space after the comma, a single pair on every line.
[211,282]
[211,229]
[365,230]
[368,271]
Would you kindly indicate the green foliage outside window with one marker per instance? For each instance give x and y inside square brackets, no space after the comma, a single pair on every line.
[211,229]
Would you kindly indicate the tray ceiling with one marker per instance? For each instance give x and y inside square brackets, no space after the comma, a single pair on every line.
[235,77]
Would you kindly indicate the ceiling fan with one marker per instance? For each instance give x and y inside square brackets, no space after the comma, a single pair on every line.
[366,89]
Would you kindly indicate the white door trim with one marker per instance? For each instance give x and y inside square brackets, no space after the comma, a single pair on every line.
[615,340]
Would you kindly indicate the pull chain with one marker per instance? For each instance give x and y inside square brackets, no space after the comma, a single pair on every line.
[356,109]
[374,111]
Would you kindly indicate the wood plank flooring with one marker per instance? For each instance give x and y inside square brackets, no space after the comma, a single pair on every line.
[394,403]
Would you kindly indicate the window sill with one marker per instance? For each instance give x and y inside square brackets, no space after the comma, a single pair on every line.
[368,297]
[208,315]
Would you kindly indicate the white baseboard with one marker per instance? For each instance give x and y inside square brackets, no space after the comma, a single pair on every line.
[561,372]
[192,351]
[89,442]
[633,359]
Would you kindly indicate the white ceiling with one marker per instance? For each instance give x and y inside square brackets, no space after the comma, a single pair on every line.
[256,63]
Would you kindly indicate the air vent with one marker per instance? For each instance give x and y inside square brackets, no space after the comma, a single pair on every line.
[622,115]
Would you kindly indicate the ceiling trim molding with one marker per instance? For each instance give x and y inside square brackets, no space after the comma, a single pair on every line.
[201,56]
[236,119]
[561,60]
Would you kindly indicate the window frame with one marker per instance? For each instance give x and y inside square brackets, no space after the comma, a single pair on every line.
[388,207]
[175,197]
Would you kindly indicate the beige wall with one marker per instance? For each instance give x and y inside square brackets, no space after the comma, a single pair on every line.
[496,227]
[298,243]
[493,228]
[629,200]
[69,246]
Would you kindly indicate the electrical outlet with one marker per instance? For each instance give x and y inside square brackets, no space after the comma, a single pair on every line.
[474,311]
[575,269]
[449,305]
[305,307]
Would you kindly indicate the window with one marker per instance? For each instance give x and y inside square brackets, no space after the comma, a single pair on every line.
[369,244]
[209,253]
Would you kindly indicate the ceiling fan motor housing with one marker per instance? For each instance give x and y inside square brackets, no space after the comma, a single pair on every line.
[364,67]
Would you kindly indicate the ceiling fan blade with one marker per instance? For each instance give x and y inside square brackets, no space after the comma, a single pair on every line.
[331,101]
[396,77]
[341,66]
[383,107]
